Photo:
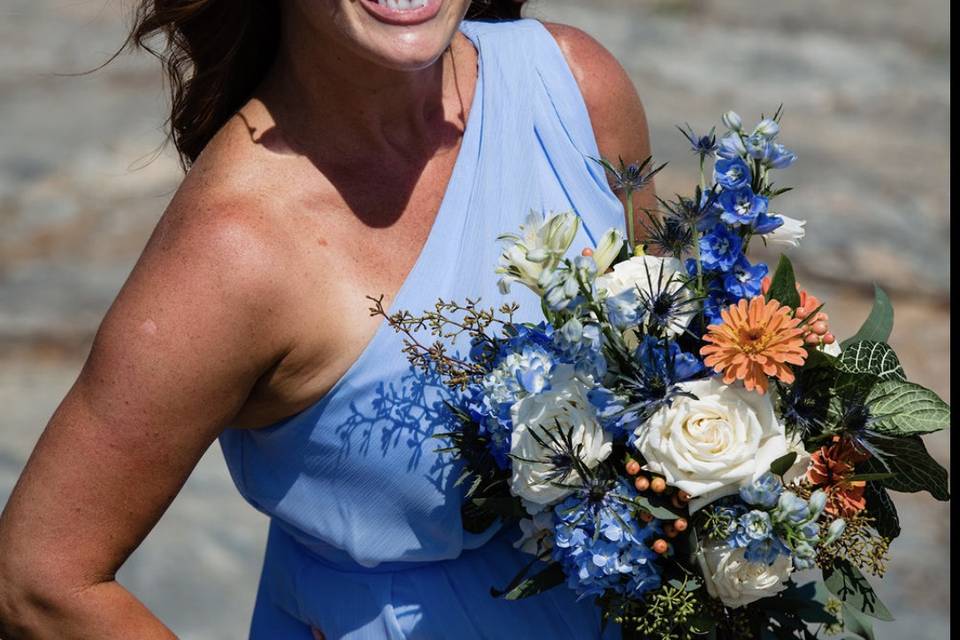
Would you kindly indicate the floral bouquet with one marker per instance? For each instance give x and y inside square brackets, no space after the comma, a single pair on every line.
[682,435]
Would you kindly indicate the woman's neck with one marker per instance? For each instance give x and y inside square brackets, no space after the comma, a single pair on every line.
[323,95]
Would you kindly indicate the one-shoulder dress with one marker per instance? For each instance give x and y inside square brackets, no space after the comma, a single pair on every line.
[366,540]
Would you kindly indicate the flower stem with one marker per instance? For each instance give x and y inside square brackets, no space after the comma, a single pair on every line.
[631,238]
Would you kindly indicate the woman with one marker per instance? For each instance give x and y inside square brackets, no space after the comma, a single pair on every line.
[336,149]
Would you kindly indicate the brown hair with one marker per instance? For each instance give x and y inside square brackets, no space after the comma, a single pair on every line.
[216,52]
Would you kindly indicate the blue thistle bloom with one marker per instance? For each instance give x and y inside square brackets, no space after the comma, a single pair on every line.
[720,249]
[764,223]
[744,280]
[732,173]
[762,492]
[601,545]
[741,206]
[701,145]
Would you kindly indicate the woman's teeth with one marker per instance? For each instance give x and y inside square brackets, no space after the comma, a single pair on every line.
[402,5]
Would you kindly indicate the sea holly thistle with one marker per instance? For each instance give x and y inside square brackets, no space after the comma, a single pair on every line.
[631,178]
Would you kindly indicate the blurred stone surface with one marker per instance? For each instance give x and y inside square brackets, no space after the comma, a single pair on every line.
[866,94]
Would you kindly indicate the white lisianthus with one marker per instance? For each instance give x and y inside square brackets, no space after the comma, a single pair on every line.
[535,533]
[652,276]
[539,420]
[710,445]
[539,247]
[736,582]
[789,234]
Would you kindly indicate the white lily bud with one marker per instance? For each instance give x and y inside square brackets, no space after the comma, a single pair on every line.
[768,128]
[608,249]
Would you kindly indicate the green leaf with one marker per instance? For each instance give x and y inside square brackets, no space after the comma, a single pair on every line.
[548,578]
[659,511]
[783,286]
[869,477]
[808,601]
[782,464]
[881,508]
[871,357]
[903,408]
[912,467]
[504,506]
[879,324]
[846,582]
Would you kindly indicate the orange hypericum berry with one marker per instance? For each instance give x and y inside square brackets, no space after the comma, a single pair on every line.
[658,485]
[633,467]
[660,546]
[756,340]
[828,338]
[587,252]
[646,516]
[680,524]
[812,339]
[683,495]
[642,483]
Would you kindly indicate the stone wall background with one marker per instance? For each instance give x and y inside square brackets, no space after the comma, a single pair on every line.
[83,180]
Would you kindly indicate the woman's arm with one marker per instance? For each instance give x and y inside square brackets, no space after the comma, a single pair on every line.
[616,113]
[194,326]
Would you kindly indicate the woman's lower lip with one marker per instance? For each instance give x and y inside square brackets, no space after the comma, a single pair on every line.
[402,16]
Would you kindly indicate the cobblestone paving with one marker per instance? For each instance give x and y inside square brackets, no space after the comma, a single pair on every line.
[866,92]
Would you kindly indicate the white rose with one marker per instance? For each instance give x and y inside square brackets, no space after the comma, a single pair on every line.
[711,445]
[536,419]
[788,234]
[736,582]
[652,276]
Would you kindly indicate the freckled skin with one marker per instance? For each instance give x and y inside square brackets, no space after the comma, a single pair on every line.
[248,301]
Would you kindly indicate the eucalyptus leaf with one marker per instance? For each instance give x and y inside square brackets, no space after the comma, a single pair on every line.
[783,285]
[879,324]
[846,582]
[877,358]
[906,408]
[660,512]
[856,626]
[912,467]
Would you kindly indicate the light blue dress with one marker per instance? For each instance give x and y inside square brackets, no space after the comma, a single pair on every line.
[365,539]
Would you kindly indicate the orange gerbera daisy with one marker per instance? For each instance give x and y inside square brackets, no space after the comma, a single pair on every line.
[756,340]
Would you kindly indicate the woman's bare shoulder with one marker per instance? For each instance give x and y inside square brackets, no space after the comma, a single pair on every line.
[618,117]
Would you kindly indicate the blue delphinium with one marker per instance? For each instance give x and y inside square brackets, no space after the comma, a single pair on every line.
[762,492]
[744,279]
[741,206]
[668,363]
[720,249]
[580,344]
[765,223]
[601,545]
[732,173]
[790,509]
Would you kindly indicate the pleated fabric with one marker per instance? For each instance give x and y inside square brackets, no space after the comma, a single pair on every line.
[366,540]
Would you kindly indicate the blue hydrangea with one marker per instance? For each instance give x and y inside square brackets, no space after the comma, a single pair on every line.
[624,310]
[580,344]
[762,492]
[720,249]
[741,206]
[601,546]
[732,173]
[744,280]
